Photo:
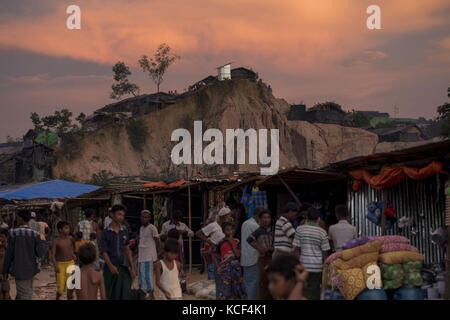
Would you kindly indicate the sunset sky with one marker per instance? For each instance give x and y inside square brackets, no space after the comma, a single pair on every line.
[309,51]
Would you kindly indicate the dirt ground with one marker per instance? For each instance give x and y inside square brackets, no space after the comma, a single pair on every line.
[44,285]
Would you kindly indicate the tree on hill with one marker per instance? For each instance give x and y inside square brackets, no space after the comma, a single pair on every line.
[444,116]
[359,119]
[122,86]
[157,65]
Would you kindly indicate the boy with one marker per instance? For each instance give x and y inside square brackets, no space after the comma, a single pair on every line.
[148,248]
[167,274]
[286,278]
[119,271]
[92,282]
[342,231]
[311,247]
[22,253]
[284,231]
[4,283]
[63,257]
[79,240]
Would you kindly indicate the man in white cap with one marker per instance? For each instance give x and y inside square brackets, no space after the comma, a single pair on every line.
[33,224]
[213,234]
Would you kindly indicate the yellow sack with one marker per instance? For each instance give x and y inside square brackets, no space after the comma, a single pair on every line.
[373,246]
[356,262]
[397,257]
[352,281]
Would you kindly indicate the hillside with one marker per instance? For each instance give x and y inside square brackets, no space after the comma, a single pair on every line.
[224,105]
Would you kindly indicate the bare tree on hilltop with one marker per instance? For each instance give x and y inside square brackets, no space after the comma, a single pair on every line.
[157,65]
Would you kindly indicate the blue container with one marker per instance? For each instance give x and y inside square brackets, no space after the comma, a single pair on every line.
[408,294]
[375,294]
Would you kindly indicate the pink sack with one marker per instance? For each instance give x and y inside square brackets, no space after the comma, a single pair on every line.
[391,247]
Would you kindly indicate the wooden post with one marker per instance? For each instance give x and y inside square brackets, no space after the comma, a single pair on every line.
[190,227]
[290,190]
[145,202]
[383,216]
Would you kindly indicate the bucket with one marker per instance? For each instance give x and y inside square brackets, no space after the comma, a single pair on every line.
[409,294]
[376,294]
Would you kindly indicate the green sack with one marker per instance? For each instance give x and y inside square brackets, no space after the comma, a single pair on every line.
[412,266]
[392,284]
[413,279]
[391,271]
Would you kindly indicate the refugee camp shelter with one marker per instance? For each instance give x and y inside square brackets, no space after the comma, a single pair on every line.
[414,181]
[40,197]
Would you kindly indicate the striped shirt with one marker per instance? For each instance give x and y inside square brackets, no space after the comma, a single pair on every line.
[312,240]
[284,231]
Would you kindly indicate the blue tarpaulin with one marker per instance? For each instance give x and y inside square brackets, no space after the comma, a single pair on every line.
[49,189]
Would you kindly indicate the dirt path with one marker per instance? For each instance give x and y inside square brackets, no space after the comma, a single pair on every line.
[44,285]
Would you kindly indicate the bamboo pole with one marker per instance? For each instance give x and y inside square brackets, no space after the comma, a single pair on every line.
[144,202]
[289,189]
[190,227]
[447,278]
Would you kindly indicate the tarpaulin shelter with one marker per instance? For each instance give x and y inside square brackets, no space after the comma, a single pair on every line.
[53,189]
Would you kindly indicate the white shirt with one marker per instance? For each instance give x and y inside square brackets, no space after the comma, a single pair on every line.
[169,225]
[107,222]
[147,244]
[250,255]
[342,232]
[214,232]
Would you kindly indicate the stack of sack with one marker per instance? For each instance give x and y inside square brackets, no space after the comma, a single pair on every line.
[348,270]
[401,263]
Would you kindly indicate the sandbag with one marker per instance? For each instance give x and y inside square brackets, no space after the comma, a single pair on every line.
[390,239]
[413,279]
[368,274]
[412,266]
[352,281]
[392,271]
[366,248]
[400,257]
[393,284]
[332,257]
[397,246]
[355,242]
[356,262]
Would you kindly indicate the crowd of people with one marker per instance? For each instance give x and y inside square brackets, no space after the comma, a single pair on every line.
[257,257]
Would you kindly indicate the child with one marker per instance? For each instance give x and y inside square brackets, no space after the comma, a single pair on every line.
[63,257]
[93,241]
[92,282]
[79,240]
[286,278]
[166,271]
[229,268]
[4,283]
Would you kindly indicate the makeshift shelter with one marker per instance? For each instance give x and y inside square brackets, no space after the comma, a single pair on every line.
[413,182]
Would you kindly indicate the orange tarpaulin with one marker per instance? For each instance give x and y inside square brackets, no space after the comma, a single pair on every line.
[163,184]
[391,176]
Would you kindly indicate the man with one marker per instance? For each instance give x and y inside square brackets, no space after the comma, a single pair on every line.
[34,225]
[213,235]
[148,247]
[24,247]
[311,247]
[249,256]
[43,232]
[175,223]
[88,226]
[284,231]
[342,231]
[119,271]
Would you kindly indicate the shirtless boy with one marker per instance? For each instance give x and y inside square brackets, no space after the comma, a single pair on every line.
[62,257]
[92,282]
